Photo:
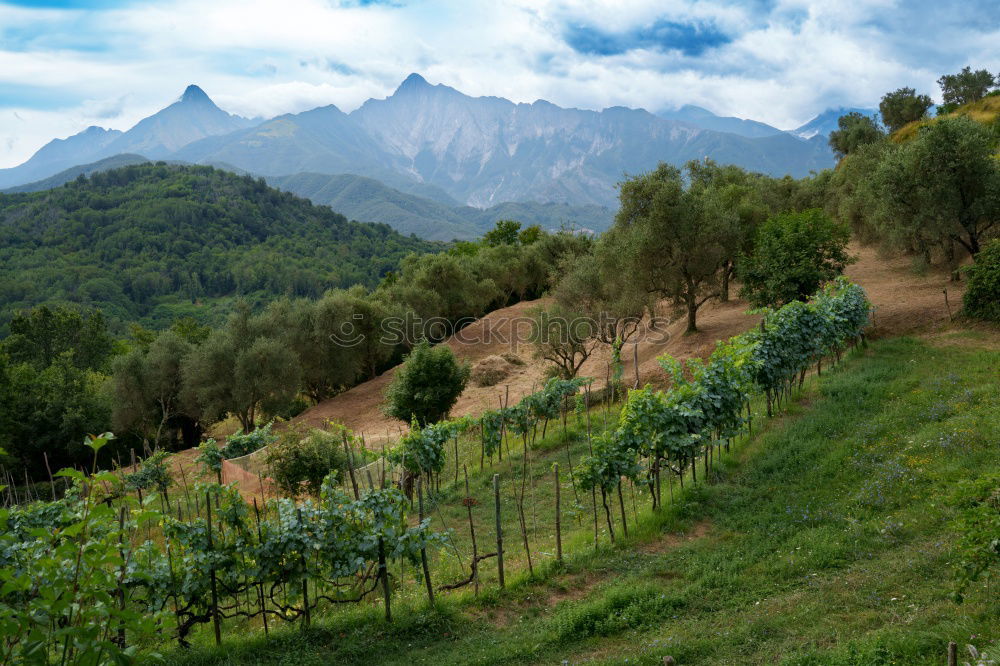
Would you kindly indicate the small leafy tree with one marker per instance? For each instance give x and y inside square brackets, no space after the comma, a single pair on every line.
[982,296]
[965,87]
[427,385]
[903,106]
[504,232]
[853,131]
[794,254]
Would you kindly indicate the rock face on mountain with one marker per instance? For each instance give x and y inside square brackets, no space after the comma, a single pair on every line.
[432,140]
[487,150]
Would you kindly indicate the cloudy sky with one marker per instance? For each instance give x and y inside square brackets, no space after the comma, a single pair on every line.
[65,65]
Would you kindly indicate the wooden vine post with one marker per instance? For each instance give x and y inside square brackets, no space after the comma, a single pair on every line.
[305,582]
[558,520]
[423,549]
[215,592]
[472,531]
[496,511]
[383,573]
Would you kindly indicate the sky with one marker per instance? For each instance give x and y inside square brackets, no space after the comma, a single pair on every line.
[69,64]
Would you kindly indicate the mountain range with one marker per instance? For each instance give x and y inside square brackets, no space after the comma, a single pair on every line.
[431,144]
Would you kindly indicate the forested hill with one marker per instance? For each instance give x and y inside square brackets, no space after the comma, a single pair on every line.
[151,242]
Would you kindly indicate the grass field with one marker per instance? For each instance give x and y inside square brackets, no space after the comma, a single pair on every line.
[826,538]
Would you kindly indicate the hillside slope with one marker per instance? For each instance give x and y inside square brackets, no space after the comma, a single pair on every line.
[826,538]
[904,302]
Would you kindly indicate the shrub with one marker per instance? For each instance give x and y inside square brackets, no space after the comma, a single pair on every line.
[299,464]
[793,255]
[240,444]
[982,296]
[427,385]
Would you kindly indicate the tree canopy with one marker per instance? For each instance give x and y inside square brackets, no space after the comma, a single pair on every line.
[903,106]
[794,254]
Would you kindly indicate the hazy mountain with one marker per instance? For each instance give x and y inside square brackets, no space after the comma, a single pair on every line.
[366,199]
[194,116]
[705,119]
[72,173]
[433,141]
[362,198]
[488,150]
[826,122]
[60,154]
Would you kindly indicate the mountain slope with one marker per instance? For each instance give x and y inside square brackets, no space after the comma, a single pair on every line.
[66,175]
[194,116]
[705,119]
[152,241]
[60,154]
[361,198]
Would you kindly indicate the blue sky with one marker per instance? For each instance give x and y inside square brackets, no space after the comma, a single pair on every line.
[65,65]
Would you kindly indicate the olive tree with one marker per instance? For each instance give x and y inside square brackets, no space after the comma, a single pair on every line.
[966,86]
[564,337]
[240,370]
[903,106]
[673,249]
[853,131]
[942,188]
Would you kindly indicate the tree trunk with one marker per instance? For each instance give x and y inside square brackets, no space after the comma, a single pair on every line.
[724,289]
[692,315]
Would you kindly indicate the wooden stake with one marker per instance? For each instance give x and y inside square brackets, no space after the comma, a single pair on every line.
[558,523]
[215,592]
[496,511]
[423,551]
[472,532]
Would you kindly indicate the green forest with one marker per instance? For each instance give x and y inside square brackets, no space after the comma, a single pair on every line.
[153,242]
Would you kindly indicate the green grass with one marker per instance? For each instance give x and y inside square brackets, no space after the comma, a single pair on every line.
[825,539]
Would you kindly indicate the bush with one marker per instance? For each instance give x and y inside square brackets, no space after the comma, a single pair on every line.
[299,464]
[982,296]
[241,444]
[427,385]
[793,255]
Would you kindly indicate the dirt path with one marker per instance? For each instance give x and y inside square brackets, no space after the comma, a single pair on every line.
[905,303]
